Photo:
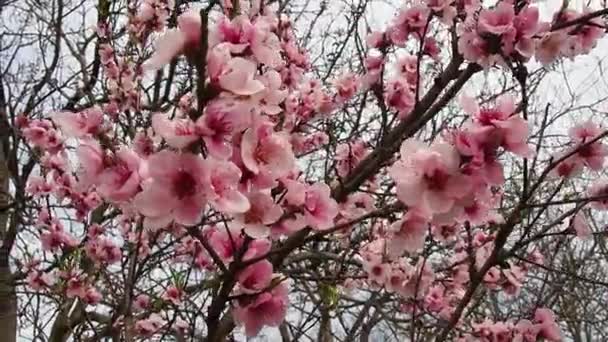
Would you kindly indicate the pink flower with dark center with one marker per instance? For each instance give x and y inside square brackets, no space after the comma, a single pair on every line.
[497,21]
[319,208]
[223,190]
[149,326]
[263,212]
[174,295]
[256,277]
[266,309]
[120,182]
[141,302]
[262,150]
[407,234]
[178,132]
[92,296]
[428,178]
[175,190]
[222,119]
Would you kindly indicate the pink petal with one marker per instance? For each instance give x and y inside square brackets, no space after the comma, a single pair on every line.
[167,47]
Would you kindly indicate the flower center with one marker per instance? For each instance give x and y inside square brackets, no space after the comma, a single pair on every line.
[437,180]
[184,185]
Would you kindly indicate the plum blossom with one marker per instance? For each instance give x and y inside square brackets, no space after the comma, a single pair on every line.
[120,180]
[150,326]
[238,77]
[498,126]
[223,194]
[263,150]
[175,41]
[346,86]
[175,189]
[56,238]
[407,234]
[221,120]
[428,178]
[266,309]
[319,208]
[580,226]
[256,277]
[79,124]
[173,294]
[548,327]
[178,132]
[262,212]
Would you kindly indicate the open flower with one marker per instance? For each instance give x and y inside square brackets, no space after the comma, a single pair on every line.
[266,309]
[428,178]
[175,189]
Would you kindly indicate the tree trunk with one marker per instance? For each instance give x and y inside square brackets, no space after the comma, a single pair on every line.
[8,297]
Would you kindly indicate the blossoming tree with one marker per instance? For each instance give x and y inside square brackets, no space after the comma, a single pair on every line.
[187,171]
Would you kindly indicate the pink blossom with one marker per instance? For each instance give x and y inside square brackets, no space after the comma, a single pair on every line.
[266,309]
[256,277]
[591,154]
[75,287]
[319,208]
[411,19]
[357,205]
[225,243]
[175,190]
[238,77]
[498,126]
[375,40]
[548,327]
[377,271]
[526,24]
[173,294]
[428,178]
[41,133]
[474,48]
[223,194]
[141,302]
[91,158]
[262,212]
[92,296]
[79,124]
[399,95]
[56,238]
[525,331]
[176,41]
[120,181]
[40,280]
[347,86]
[222,119]
[599,190]
[407,234]
[270,99]
[178,132]
[263,150]
[497,21]
[149,326]
[103,250]
[435,300]
[580,226]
